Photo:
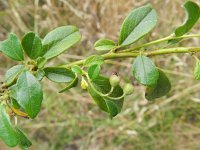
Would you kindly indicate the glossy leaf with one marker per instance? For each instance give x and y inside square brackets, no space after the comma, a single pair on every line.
[104,45]
[72,84]
[137,24]
[59,75]
[12,48]
[161,88]
[24,142]
[12,74]
[76,69]
[145,71]
[197,70]
[32,45]
[29,94]
[93,60]
[94,71]
[7,133]
[193,14]
[59,40]
[102,84]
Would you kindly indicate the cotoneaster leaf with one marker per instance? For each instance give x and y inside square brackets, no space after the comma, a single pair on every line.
[12,48]
[29,94]
[12,74]
[32,45]
[59,75]
[59,40]
[102,84]
[7,133]
[161,88]
[145,71]
[193,13]
[104,45]
[137,24]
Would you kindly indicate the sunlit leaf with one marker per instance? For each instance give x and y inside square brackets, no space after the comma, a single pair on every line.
[104,45]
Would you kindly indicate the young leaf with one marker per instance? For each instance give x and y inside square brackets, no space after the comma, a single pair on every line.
[24,142]
[161,88]
[137,24]
[197,70]
[12,48]
[94,71]
[145,71]
[7,133]
[41,61]
[102,84]
[59,75]
[29,94]
[59,40]
[32,45]
[76,69]
[93,60]
[193,14]
[12,74]
[72,84]
[104,45]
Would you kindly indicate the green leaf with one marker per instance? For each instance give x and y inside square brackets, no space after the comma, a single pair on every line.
[94,71]
[193,14]
[40,74]
[72,84]
[24,142]
[145,71]
[137,24]
[12,74]
[32,45]
[197,70]
[102,84]
[76,69]
[41,61]
[93,60]
[7,133]
[59,40]
[14,103]
[59,75]
[29,94]
[104,45]
[12,48]
[161,88]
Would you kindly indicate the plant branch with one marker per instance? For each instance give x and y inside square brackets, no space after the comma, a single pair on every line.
[135,54]
[171,37]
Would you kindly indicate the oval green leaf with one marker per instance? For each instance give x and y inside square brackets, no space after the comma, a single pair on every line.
[102,84]
[104,45]
[59,75]
[94,71]
[32,45]
[161,88]
[145,71]
[193,13]
[7,133]
[12,74]
[59,40]
[137,24]
[24,142]
[77,69]
[12,48]
[29,94]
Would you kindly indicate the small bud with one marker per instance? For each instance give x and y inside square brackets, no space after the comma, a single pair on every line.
[84,84]
[114,80]
[128,89]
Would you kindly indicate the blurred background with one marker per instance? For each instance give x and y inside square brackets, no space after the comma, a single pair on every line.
[71,121]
